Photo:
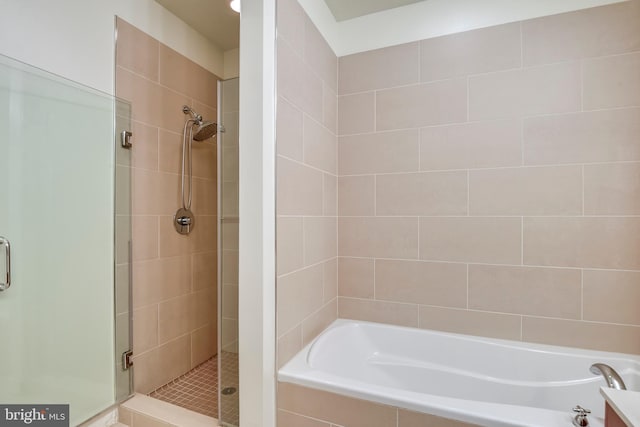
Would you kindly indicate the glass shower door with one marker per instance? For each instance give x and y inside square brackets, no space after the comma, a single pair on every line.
[229,220]
[56,210]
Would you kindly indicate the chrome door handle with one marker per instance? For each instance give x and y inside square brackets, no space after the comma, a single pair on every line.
[7,262]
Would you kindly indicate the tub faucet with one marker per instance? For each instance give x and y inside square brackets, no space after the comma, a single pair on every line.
[610,375]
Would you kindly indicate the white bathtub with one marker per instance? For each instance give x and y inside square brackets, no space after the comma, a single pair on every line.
[482,381]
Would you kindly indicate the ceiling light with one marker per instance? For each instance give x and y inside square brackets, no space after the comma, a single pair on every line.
[235,5]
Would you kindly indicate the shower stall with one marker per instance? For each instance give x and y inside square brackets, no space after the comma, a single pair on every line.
[184,220]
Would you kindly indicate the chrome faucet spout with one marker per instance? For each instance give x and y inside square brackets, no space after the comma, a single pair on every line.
[609,374]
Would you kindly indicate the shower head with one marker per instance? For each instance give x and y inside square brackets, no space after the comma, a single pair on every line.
[205,129]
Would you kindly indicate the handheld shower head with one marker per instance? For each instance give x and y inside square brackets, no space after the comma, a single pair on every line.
[205,130]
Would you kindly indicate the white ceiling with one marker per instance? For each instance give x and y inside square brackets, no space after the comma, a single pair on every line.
[211,18]
[352,26]
[426,19]
[349,9]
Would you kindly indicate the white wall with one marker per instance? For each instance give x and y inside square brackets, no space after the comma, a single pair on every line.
[75,38]
[231,63]
[428,19]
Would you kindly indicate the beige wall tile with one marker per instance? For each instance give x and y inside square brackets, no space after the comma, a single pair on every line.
[289,345]
[378,69]
[419,282]
[582,242]
[555,190]
[123,202]
[330,279]
[230,163]
[144,237]
[417,419]
[378,237]
[299,189]
[155,193]
[356,277]
[379,152]
[320,235]
[206,234]
[205,197]
[160,279]
[230,199]
[290,21]
[487,240]
[550,292]
[230,267]
[471,52]
[597,136]
[203,344]
[230,235]
[320,146]
[162,364]
[123,234]
[611,296]
[422,105]
[481,323]
[185,76]
[319,55]
[289,419]
[174,318]
[205,161]
[591,335]
[297,82]
[613,81]
[378,311]
[330,113]
[427,193]
[289,250]
[288,130]
[344,411]
[204,270]
[471,145]
[299,295]
[229,301]
[356,113]
[145,328]
[525,92]
[169,151]
[585,33]
[203,307]
[356,195]
[612,189]
[145,149]
[142,93]
[330,199]
[136,51]
[318,321]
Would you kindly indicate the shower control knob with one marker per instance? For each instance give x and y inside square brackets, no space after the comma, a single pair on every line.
[184,220]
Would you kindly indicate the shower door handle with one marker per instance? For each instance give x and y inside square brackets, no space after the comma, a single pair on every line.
[7,262]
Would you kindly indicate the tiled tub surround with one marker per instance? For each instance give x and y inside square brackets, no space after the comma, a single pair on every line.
[487,184]
[174,276]
[489,181]
[306,181]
